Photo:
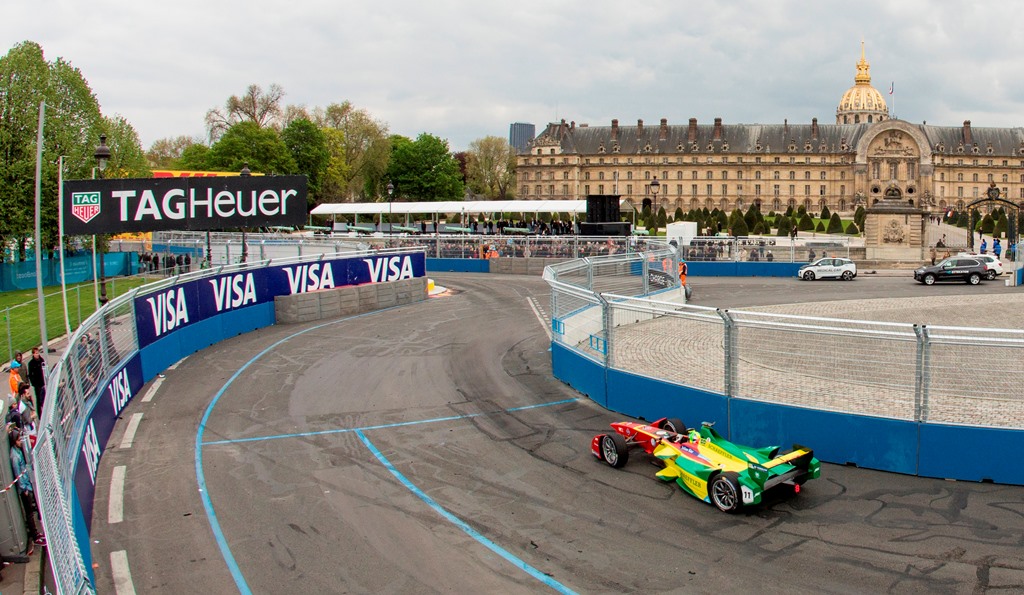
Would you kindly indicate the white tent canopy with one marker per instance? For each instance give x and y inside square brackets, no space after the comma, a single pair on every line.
[453,206]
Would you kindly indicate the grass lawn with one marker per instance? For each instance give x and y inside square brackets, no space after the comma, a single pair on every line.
[19,312]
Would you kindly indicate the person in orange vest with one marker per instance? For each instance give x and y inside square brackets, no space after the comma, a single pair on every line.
[493,252]
[682,273]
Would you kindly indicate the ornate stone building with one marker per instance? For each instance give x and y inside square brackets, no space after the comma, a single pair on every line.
[842,165]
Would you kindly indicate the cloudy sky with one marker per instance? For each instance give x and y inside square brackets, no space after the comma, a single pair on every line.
[463,70]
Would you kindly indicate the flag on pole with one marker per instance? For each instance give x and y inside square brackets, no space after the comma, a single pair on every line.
[891,85]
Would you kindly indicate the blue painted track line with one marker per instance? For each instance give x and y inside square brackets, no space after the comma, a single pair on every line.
[451,518]
[211,515]
[386,426]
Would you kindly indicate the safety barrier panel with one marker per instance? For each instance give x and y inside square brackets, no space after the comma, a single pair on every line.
[891,396]
[129,341]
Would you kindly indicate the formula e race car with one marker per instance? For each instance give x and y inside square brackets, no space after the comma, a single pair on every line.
[706,465]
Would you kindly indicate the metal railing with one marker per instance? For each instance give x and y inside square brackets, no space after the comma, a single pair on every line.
[103,343]
[227,247]
[896,370]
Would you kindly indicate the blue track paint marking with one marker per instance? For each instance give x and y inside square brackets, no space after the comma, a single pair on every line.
[451,518]
[211,515]
[386,426]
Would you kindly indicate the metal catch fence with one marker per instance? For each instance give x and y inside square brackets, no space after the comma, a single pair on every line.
[896,370]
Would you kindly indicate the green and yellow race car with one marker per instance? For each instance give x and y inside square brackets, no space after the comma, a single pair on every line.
[705,464]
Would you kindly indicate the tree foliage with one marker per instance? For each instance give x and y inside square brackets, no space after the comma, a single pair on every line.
[246,144]
[424,169]
[491,167]
[359,152]
[835,224]
[71,130]
[164,152]
[262,108]
[307,145]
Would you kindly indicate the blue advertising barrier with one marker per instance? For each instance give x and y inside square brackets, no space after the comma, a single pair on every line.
[77,269]
[900,446]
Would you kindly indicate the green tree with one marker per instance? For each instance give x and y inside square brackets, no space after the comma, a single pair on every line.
[987,224]
[424,169]
[679,216]
[759,229]
[852,229]
[739,227]
[820,228]
[662,218]
[193,157]
[246,144]
[825,213]
[127,159]
[165,152]
[784,225]
[858,217]
[491,167]
[262,108]
[307,145]
[835,224]
[359,153]
[806,223]
[72,127]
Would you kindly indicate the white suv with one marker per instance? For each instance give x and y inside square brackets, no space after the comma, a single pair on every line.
[993,265]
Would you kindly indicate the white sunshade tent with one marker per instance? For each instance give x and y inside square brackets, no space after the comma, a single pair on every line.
[472,207]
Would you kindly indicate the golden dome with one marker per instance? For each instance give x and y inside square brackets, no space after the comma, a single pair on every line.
[861,102]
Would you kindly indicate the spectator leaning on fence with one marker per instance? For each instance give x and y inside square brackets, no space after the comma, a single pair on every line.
[24,484]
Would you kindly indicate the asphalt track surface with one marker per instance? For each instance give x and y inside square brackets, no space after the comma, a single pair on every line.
[428,449]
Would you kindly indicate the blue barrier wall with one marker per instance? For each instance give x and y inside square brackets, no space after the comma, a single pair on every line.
[458,265]
[742,269]
[22,275]
[912,448]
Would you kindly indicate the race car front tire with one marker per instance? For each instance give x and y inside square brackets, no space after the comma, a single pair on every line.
[614,450]
[724,492]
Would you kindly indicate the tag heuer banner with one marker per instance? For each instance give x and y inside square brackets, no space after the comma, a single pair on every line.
[196,204]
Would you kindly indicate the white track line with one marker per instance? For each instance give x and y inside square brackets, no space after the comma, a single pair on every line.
[175,365]
[115,510]
[152,390]
[122,575]
[129,432]
[543,323]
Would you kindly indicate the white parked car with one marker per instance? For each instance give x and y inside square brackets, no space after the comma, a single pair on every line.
[992,264]
[828,268]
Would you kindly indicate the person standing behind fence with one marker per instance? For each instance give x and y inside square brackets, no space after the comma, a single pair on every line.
[37,376]
[15,378]
[25,490]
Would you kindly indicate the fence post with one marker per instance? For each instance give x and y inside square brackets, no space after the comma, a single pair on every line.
[607,323]
[10,341]
[645,268]
[263,249]
[729,343]
[922,373]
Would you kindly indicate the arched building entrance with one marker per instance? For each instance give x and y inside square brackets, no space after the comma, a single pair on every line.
[992,196]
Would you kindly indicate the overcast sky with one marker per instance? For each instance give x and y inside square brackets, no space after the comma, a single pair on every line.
[465,70]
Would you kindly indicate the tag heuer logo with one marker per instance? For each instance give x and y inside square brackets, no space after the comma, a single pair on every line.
[85,205]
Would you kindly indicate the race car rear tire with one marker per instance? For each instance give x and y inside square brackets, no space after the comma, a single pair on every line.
[724,492]
[974,279]
[809,276]
[673,424]
[847,275]
[614,450]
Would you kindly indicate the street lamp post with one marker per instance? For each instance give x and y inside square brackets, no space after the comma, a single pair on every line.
[245,173]
[102,155]
[655,186]
[391,191]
